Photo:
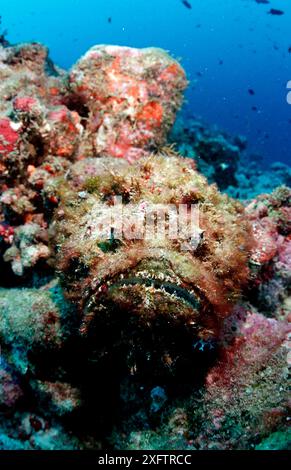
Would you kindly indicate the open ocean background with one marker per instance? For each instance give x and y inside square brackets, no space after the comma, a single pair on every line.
[226,46]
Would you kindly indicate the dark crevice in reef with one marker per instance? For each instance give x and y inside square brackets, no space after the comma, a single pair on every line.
[39,148]
[50,68]
[76,103]
[42,275]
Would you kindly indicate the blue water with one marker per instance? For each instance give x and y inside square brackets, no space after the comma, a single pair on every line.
[233,45]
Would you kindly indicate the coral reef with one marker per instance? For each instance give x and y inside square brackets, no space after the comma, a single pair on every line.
[255,177]
[271,260]
[30,112]
[33,329]
[117,101]
[224,160]
[244,399]
[247,391]
[131,97]
[125,320]
[216,153]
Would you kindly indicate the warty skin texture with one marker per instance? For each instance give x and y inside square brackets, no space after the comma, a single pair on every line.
[146,292]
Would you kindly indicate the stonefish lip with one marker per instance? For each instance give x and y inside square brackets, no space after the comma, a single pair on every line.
[170,288]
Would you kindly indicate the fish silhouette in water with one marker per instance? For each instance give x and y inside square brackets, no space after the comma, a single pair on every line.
[3,34]
[187,4]
[264,2]
[276,12]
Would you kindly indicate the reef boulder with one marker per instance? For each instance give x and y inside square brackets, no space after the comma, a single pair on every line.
[130,98]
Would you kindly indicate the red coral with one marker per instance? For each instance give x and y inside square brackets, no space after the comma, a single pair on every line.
[24,104]
[8,137]
[132,96]
[65,132]
[6,233]
[151,114]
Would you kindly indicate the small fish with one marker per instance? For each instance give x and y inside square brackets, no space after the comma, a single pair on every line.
[187,4]
[289,50]
[276,12]
[254,108]
[220,62]
[199,74]
[251,92]
[109,19]
[264,2]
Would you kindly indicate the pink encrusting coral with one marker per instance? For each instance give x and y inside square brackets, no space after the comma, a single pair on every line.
[8,137]
[270,216]
[247,391]
[131,96]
